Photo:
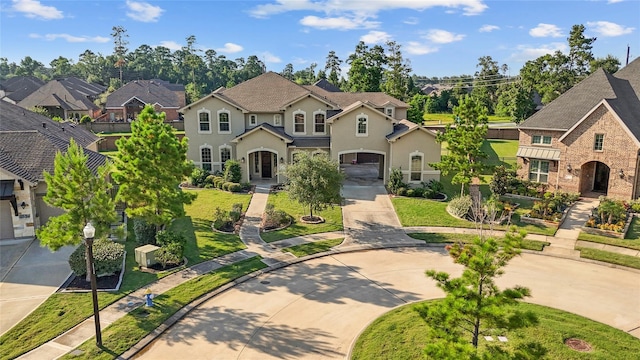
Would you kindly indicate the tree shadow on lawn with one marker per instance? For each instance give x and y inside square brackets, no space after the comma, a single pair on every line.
[202,242]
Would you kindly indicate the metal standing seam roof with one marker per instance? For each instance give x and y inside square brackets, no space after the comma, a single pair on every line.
[538,153]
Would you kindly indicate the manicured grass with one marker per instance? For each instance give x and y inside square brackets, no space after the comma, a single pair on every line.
[634,229]
[444,118]
[438,238]
[281,201]
[500,152]
[110,154]
[626,243]
[610,257]
[313,247]
[202,242]
[128,330]
[401,334]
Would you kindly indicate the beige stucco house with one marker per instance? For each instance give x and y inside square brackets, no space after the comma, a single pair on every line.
[588,139]
[265,121]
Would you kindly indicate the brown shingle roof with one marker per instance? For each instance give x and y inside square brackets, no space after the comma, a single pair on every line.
[71,94]
[344,99]
[147,91]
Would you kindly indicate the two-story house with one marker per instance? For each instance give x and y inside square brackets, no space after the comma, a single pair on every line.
[588,139]
[265,121]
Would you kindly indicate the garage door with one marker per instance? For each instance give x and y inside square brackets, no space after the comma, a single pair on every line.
[6,220]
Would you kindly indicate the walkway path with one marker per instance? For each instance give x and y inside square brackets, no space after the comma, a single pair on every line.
[370,222]
[563,243]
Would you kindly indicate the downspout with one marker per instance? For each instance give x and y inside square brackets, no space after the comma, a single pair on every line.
[634,192]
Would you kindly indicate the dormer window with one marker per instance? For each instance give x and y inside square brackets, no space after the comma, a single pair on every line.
[253,119]
[389,111]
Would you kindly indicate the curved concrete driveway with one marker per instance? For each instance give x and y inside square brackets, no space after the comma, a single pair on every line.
[316,309]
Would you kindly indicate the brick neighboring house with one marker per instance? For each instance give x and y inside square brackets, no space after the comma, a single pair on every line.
[127,102]
[68,98]
[28,145]
[588,139]
[263,122]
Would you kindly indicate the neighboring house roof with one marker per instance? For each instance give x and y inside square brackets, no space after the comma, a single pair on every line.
[19,87]
[621,90]
[404,127]
[15,119]
[344,99]
[277,131]
[30,161]
[147,91]
[68,93]
[327,86]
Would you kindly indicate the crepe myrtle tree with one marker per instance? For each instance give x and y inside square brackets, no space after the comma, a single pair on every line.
[314,181]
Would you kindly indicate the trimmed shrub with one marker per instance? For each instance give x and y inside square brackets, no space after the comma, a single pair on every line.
[411,193]
[232,171]
[218,181]
[460,206]
[145,233]
[168,255]
[235,187]
[198,177]
[395,181]
[274,218]
[85,119]
[402,191]
[209,180]
[107,256]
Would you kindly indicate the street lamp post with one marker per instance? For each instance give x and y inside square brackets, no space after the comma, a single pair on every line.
[89,233]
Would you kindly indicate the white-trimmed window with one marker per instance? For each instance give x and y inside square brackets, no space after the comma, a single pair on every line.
[225,154]
[204,121]
[389,111]
[277,120]
[319,122]
[541,140]
[299,120]
[224,122]
[362,125]
[205,158]
[253,119]
[598,142]
[539,171]
[415,174]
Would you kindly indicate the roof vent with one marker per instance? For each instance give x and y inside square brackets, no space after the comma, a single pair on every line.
[44,125]
[63,129]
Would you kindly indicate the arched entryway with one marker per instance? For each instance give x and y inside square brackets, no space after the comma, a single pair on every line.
[263,165]
[594,177]
[363,166]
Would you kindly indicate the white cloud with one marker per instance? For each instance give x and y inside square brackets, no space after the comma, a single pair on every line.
[171,45]
[609,29]
[230,48]
[299,61]
[411,21]
[488,28]
[71,38]
[613,1]
[526,52]
[545,30]
[35,10]
[416,48]
[143,11]
[442,36]
[270,58]
[375,37]
[337,23]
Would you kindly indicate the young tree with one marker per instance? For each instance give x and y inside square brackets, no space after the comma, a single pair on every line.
[464,140]
[314,181]
[473,304]
[119,35]
[515,101]
[84,196]
[152,151]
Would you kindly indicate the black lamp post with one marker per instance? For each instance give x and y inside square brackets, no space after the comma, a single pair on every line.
[89,233]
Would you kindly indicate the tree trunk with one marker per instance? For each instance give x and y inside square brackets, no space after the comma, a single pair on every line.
[462,190]
[311,211]
[476,325]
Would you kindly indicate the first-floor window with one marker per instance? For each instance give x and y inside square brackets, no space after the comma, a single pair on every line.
[539,171]
[416,168]
[225,154]
[205,159]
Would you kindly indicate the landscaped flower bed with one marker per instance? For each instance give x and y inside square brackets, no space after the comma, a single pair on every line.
[552,208]
[611,218]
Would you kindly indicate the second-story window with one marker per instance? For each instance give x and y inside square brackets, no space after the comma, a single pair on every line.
[541,140]
[224,122]
[277,120]
[204,121]
[598,143]
[362,125]
[253,119]
[298,123]
[319,123]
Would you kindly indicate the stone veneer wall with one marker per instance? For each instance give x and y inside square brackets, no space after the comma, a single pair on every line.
[23,224]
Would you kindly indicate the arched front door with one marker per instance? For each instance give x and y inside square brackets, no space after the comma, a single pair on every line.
[594,177]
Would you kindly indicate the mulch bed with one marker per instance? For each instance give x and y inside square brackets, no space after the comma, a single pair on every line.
[578,344]
[78,283]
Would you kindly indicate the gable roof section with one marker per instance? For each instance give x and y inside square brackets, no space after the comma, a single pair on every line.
[71,94]
[15,118]
[634,131]
[357,105]
[19,87]
[405,127]
[30,161]
[279,132]
[621,90]
[147,91]
[344,99]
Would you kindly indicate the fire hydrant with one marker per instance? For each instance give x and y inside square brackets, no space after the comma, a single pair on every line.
[149,297]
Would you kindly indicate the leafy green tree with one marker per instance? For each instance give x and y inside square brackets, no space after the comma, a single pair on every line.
[287,72]
[61,67]
[464,140]
[84,197]
[474,305]
[417,105]
[152,151]
[397,75]
[367,68]
[610,64]
[515,101]
[549,75]
[314,181]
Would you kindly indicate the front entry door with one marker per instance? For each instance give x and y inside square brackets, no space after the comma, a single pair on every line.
[266,164]
[601,178]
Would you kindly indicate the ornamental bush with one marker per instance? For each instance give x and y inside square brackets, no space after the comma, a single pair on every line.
[460,206]
[145,233]
[395,181]
[107,256]
[232,171]
[198,177]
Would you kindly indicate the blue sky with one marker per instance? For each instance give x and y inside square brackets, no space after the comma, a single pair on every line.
[439,37]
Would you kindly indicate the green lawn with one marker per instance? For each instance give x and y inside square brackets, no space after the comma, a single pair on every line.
[281,201]
[128,330]
[610,257]
[401,334]
[500,152]
[437,238]
[444,118]
[313,247]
